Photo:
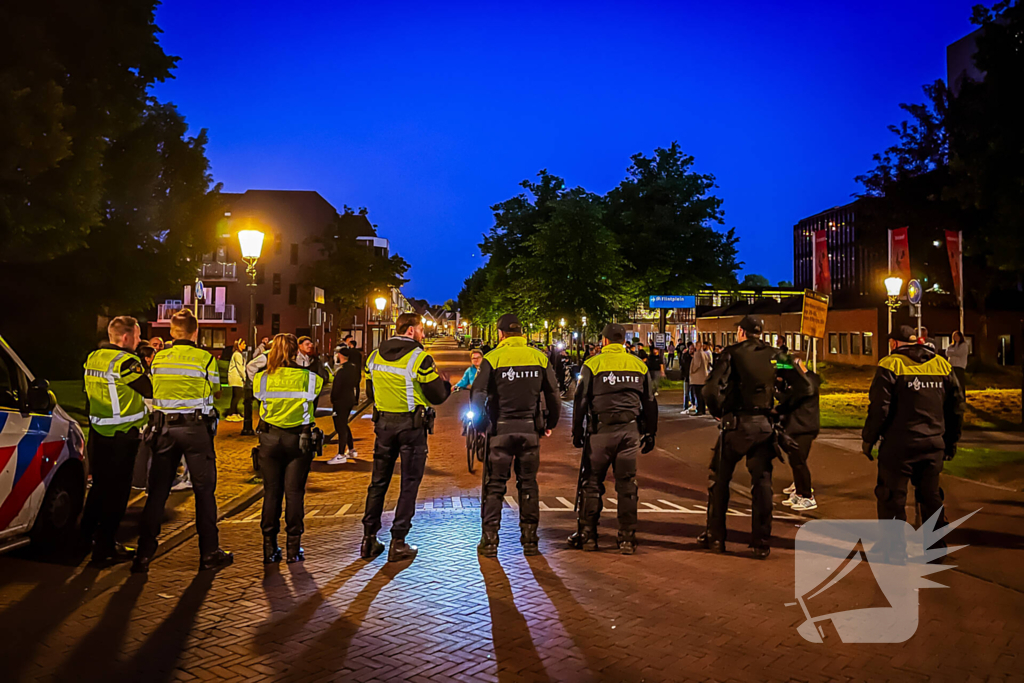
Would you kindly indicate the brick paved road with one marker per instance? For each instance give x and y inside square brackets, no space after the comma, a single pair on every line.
[672,612]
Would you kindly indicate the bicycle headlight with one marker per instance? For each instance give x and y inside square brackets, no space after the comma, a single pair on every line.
[469,415]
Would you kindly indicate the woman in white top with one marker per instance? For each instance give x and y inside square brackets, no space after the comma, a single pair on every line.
[956,354]
[236,380]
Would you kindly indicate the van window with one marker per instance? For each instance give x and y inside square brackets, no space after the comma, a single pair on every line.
[10,390]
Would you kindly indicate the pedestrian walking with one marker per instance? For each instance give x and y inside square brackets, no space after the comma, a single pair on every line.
[740,393]
[685,358]
[236,380]
[916,411]
[507,395]
[957,354]
[404,382]
[344,397]
[116,385]
[615,419]
[800,418]
[700,367]
[287,394]
[654,367]
[670,355]
[140,474]
[186,380]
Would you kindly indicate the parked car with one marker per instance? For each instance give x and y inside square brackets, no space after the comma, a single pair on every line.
[475,343]
[42,459]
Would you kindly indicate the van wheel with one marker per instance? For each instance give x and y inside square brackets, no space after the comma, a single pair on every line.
[60,509]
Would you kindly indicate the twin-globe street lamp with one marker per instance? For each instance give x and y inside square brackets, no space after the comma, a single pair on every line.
[251,243]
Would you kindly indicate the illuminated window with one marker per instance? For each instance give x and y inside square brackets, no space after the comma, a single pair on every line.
[833,342]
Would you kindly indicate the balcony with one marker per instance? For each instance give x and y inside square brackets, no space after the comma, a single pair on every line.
[218,272]
[207,313]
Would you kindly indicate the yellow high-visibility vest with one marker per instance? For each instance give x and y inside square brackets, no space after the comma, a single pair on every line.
[288,396]
[113,405]
[185,379]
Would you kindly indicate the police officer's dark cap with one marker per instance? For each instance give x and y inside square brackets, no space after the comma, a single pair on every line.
[751,324]
[510,323]
[903,333]
[614,333]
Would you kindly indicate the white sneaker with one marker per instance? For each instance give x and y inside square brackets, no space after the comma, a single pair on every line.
[353,455]
[339,459]
[805,504]
[793,498]
[790,490]
[183,485]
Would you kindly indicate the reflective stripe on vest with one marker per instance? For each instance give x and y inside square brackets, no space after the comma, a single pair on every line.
[281,407]
[112,377]
[408,373]
[184,379]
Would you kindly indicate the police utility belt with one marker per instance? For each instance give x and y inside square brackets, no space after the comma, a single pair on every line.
[311,439]
[422,417]
[599,422]
[159,421]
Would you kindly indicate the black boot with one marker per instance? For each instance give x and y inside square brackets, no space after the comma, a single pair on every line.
[575,541]
[115,554]
[627,542]
[370,547]
[708,543]
[271,551]
[141,564]
[488,546]
[704,541]
[401,551]
[295,552]
[218,559]
[588,538]
[760,553]
[528,538]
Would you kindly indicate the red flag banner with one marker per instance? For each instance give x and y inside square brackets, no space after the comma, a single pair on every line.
[899,254]
[822,274]
[953,248]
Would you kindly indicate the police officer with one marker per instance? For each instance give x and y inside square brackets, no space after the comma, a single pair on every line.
[403,382]
[186,379]
[288,395]
[511,380]
[740,392]
[117,385]
[615,396]
[916,410]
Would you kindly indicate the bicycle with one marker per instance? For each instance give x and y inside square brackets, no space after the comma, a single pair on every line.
[474,443]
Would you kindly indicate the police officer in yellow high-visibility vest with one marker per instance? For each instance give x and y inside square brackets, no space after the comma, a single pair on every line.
[116,384]
[288,394]
[615,398]
[186,379]
[403,382]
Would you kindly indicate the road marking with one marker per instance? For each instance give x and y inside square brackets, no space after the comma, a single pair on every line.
[673,505]
[564,502]
[512,502]
[343,510]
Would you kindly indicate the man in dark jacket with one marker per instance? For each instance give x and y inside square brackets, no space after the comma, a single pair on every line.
[344,397]
[916,410]
[800,417]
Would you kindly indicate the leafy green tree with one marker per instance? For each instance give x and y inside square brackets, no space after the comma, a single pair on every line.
[785,284]
[754,281]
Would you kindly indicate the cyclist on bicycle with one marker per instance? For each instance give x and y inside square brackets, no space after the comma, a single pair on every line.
[476,358]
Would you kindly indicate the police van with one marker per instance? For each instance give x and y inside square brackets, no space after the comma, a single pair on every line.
[42,459]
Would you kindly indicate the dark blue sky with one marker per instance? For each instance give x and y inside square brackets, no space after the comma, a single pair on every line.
[428,115]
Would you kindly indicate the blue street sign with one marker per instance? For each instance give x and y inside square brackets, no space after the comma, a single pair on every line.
[688,301]
[200,290]
[914,292]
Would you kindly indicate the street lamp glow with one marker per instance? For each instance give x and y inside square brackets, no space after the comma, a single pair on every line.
[561,323]
[893,285]
[380,302]
[251,242]
[545,324]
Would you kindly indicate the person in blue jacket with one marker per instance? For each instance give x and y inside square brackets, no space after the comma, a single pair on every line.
[476,358]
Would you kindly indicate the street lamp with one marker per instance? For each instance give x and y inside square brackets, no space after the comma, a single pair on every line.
[380,302]
[893,285]
[251,244]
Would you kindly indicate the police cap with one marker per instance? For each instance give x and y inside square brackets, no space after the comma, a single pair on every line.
[509,324]
[751,324]
[614,333]
[903,333]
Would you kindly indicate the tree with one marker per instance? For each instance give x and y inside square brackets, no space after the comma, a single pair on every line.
[785,284]
[753,281]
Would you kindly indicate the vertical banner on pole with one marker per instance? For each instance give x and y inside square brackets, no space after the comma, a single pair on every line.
[899,254]
[822,273]
[954,247]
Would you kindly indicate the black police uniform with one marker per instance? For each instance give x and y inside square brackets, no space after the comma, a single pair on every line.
[511,381]
[613,395]
[916,410]
[740,391]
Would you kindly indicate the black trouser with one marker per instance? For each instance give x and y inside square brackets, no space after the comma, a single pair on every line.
[112,463]
[341,415]
[698,398]
[616,446]
[285,469]
[961,377]
[922,470]
[395,437]
[189,438]
[751,439]
[237,393]
[798,463]
[515,447]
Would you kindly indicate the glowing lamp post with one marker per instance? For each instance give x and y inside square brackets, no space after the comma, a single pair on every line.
[893,286]
[251,244]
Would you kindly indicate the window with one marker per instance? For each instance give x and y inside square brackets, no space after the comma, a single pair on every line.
[278,243]
[295,255]
[775,339]
[293,294]
[833,342]
[867,346]
[275,323]
[855,343]
[796,341]
[260,275]
[220,339]
[258,315]
[789,341]
[277,284]
[10,389]
[842,343]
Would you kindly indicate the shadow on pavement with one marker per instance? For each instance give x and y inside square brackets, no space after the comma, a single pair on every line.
[513,644]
